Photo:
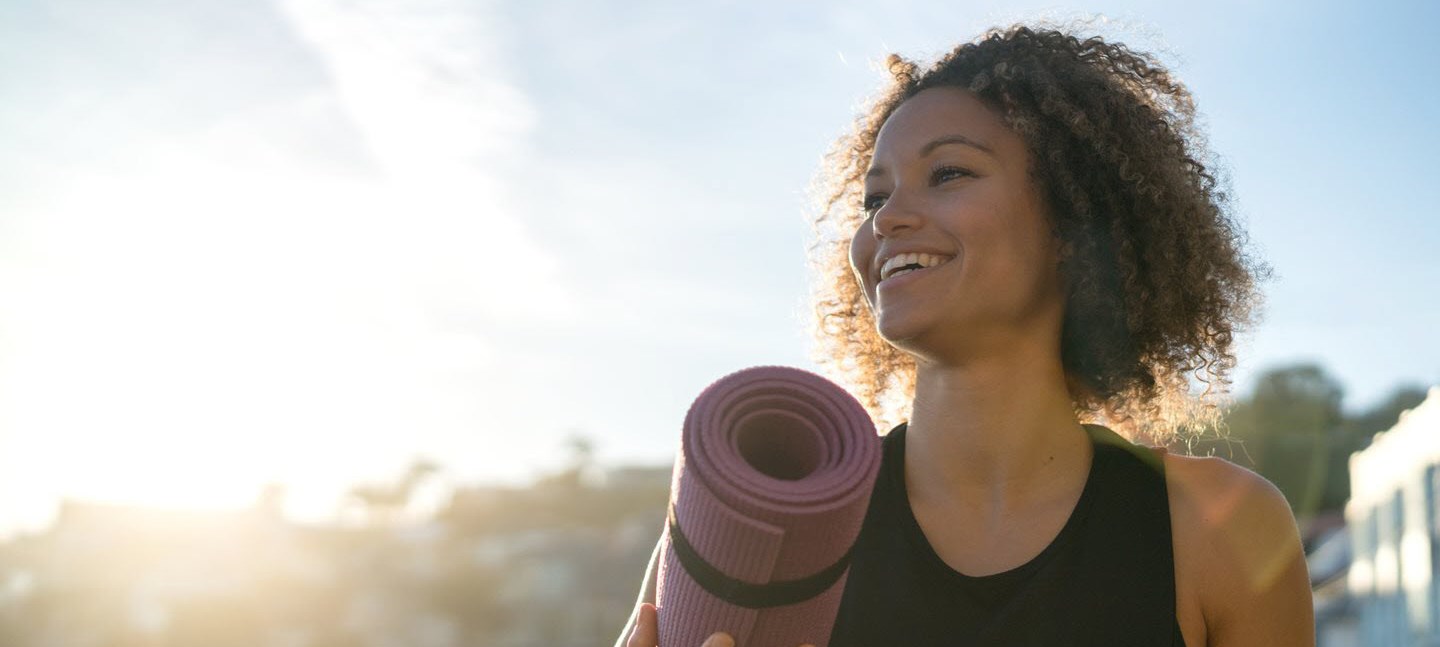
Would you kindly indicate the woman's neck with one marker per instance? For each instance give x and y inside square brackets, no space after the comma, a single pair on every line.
[994,434]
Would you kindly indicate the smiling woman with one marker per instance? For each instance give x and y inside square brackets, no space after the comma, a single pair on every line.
[1032,254]
[1153,299]
[1040,262]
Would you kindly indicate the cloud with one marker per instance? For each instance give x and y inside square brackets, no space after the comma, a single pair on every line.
[425,85]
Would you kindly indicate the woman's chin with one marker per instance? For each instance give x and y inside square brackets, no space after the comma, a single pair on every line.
[898,328]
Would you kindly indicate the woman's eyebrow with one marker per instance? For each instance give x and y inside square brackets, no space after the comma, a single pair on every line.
[954,139]
[937,143]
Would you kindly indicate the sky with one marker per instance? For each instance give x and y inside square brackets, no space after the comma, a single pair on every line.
[307,241]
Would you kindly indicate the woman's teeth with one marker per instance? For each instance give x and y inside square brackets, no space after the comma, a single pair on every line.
[893,266]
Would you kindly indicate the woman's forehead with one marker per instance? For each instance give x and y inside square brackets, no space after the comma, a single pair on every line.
[937,113]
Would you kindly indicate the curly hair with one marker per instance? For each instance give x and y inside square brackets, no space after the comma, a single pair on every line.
[1156,278]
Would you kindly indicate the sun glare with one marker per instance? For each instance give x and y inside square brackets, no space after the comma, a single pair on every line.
[183,332]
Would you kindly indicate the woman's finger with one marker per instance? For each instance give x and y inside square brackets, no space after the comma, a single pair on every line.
[720,639]
[647,630]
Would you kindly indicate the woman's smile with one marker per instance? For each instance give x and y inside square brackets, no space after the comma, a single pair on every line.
[906,277]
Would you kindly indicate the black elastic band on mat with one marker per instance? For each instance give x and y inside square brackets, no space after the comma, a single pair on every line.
[745,594]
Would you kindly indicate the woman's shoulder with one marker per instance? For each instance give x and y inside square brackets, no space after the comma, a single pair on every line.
[1237,546]
[1214,495]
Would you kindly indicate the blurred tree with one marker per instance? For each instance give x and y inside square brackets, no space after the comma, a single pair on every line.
[582,452]
[1294,432]
[1289,427]
[1383,416]
[579,465]
[383,502]
[1300,397]
[1355,434]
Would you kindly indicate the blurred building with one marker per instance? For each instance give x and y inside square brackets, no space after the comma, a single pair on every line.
[1394,534]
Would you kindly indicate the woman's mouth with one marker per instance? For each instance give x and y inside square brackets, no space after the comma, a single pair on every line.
[908,276]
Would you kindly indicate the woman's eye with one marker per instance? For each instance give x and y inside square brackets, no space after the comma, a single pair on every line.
[873,202]
[948,172]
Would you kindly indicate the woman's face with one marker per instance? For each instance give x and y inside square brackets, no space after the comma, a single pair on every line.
[949,178]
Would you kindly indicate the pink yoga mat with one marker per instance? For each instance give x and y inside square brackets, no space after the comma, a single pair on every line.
[773,478]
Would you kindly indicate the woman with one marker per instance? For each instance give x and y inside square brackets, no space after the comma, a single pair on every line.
[1039,261]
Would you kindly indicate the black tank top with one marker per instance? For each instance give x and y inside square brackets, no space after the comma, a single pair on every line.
[1108,578]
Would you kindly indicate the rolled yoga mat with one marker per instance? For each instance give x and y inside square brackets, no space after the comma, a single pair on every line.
[773,479]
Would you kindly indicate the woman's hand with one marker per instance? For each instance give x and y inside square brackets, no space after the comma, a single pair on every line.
[647,632]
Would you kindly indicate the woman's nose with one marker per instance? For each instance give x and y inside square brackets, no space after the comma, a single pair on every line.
[893,216]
